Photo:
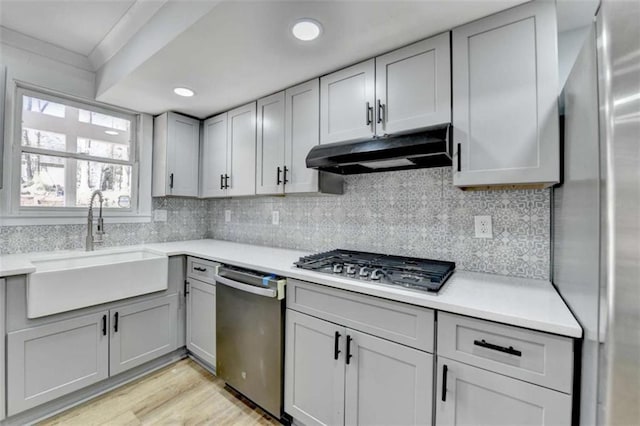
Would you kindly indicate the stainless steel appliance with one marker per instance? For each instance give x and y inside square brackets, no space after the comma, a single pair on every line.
[596,230]
[408,272]
[250,335]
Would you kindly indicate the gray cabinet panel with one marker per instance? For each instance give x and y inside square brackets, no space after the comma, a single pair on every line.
[52,360]
[201,321]
[214,156]
[505,88]
[479,397]
[387,383]
[270,145]
[145,331]
[241,151]
[314,379]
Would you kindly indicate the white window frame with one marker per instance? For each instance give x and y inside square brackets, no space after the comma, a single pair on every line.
[11,213]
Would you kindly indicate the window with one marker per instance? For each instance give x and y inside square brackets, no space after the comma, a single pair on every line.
[68,149]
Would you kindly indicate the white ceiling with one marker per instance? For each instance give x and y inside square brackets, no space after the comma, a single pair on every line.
[243,50]
[75,25]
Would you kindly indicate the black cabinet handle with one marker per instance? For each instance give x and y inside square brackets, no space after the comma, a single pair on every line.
[445,370]
[381,112]
[226,181]
[483,344]
[336,346]
[278,181]
[221,181]
[369,111]
[186,288]
[459,156]
[199,269]
[285,180]
[115,322]
[348,357]
[171,181]
[104,325]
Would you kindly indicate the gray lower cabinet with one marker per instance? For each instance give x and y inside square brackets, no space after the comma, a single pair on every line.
[201,321]
[335,375]
[49,361]
[141,332]
[473,396]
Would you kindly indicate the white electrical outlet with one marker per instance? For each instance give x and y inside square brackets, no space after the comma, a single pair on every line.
[160,215]
[227,216]
[275,217]
[483,227]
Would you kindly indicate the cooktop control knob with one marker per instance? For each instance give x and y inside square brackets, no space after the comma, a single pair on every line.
[376,274]
[351,269]
[364,272]
[337,268]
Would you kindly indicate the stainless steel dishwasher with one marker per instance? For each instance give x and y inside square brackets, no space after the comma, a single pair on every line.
[250,335]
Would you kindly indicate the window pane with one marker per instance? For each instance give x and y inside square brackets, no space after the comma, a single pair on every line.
[42,106]
[43,139]
[103,149]
[103,120]
[114,180]
[42,181]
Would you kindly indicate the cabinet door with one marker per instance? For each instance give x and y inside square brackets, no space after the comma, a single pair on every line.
[241,151]
[46,362]
[473,396]
[505,90]
[314,378]
[346,104]
[142,332]
[413,86]
[302,119]
[387,383]
[270,145]
[183,145]
[201,321]
[214,156]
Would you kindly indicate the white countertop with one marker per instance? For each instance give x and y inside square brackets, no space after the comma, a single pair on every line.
[533,304]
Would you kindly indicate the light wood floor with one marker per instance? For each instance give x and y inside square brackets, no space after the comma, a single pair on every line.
[180,394]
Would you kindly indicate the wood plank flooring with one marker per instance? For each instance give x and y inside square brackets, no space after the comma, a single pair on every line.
[180,394]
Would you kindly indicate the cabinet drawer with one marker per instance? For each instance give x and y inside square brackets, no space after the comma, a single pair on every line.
[201,269]
[395,321]
[535,357]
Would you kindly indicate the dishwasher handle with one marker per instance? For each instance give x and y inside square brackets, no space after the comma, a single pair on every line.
[266,292]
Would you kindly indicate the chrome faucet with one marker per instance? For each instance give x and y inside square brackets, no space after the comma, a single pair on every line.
[91,240]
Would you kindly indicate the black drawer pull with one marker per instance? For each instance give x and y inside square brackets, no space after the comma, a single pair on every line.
[483,344]
[115,322]
[348,357]
[336,346]
[104,325]
[445,370]
[197,268]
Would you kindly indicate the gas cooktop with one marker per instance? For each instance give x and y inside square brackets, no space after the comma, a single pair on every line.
[408,272]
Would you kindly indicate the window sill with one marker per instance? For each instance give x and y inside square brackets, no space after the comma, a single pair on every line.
[69,219]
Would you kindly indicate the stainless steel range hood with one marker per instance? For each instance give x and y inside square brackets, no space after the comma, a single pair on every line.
[428,148]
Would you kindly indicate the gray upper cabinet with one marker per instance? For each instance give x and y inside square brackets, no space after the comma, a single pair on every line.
[270,145]
[241,151]
[46,362]
[302,132]
[505,87]
[214,156]
[413,86]
[469,395]
[143,331]
[347,100]
[176,142]
[201,321]
[387,383]
[314,370]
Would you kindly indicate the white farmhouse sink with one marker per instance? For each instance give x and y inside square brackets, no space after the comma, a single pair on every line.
[79,279]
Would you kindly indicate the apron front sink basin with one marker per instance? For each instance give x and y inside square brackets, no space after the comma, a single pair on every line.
[77,280]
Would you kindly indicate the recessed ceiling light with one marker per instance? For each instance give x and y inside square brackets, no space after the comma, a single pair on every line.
[183,91]
[111,132]
[306,29]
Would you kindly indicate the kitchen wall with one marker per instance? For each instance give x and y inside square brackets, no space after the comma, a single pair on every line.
[187,219]
[415,213]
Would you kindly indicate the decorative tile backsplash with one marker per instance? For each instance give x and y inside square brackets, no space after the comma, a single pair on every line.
[415,213]
[187,219]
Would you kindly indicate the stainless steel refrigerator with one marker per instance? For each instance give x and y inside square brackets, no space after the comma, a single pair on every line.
[596,215]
